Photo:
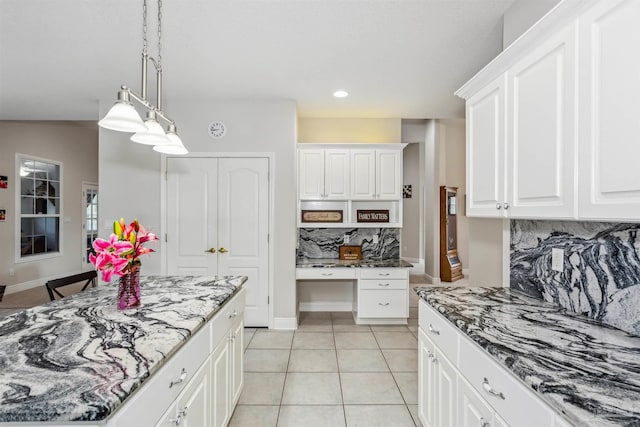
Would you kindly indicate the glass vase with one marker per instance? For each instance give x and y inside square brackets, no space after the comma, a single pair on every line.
[129,289]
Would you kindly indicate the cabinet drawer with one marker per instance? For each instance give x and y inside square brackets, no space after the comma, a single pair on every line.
[383,304]
[440,330]
[383,284]
[223,319]
[325,273]
[383,273]
[518,405]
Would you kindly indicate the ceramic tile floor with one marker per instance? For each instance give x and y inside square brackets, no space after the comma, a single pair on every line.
[331,372]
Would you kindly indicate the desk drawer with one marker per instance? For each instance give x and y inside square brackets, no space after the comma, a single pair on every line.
[325,273]
[383,304]
[383,284]
[383,273]
[442,332]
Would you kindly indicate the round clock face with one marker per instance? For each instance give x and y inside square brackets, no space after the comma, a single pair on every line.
[217,129]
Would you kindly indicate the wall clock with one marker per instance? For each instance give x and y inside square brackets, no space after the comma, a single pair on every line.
[217,129]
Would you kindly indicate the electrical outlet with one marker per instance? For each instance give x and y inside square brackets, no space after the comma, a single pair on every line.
[376,239]
[346,239]
[557,259]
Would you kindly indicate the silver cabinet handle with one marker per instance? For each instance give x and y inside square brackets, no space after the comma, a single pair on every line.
[506,206]
[498,206]
[487,387]
[433,331]
[183,376]
[484,423]
[234,314]
[182,414]
[431,355]
[327,274]
[384,274]
[384,285]
[384,305]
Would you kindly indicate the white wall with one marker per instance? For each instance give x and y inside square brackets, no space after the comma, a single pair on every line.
[432,200]
[348,130]
[75,145]
[522,15]
[410,235]
[266,127]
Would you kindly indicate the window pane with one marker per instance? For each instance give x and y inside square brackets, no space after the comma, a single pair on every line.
[26,205]
[53,206]
[54,189]
[52,233]
[54,172]
[41,206]
[27,186]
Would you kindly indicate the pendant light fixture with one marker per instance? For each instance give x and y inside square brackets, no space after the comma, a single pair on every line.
[123,116]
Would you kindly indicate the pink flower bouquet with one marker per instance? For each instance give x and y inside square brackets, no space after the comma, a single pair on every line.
[120,253]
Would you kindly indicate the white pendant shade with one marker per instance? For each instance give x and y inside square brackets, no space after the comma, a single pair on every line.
[122,117]
[174,146]
[153,134]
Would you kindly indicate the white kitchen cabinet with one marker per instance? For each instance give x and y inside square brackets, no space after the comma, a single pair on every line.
[193,409]
[376,174]
[474,410]
[609,175]
[220,385]
[236,355]
[323,174]
[541,131]
[382,296]
[426,381]
[486,127]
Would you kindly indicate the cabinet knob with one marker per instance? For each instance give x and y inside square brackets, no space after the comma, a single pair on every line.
[487,387]
[498,206]
[211,250]
[234,314]
[506,206]
[222,250]
[183,376]
[433,330]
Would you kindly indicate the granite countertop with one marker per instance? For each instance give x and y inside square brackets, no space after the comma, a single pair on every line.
[584,369]
[79,358]
[364,263]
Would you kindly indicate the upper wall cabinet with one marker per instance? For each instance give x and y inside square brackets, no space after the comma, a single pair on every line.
[570,129]
[609,128]
[376,174]
[323,174]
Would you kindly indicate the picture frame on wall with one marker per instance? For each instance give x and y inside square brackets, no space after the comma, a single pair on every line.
[3,215]
[4,181]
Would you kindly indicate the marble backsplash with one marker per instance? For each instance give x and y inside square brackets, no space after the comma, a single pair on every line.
[601,274]
[319,243]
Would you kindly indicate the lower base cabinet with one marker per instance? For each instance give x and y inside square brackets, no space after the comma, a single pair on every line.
[175,396]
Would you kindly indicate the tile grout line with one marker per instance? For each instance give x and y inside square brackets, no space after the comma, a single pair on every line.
[344,411]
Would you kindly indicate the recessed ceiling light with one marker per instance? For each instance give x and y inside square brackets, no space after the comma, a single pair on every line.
[340,94]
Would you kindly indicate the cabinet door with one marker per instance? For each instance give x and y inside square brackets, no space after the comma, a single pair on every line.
[474,410]
[336,174]
[446,391]
[541,131]
[609,111]
[486,151]
[426,381]
[363,174]
[193,403]
[311,174]
[236,367]
[220,383]
[389,174]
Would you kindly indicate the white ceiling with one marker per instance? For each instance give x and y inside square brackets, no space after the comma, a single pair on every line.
[397,58]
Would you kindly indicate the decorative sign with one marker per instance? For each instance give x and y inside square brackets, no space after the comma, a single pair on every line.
[379,215]
[3,215]
[350,253]
[322,216]
[406,191]
[4,181]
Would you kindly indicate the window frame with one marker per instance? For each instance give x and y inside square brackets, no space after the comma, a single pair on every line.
[86,187]
[19,157]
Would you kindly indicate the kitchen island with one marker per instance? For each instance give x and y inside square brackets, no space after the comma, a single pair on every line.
[564,363]
[81,361]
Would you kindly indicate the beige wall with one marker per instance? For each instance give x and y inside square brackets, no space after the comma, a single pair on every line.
[486,252]
[75,145]
[410,236]
[432,200]
[320,130]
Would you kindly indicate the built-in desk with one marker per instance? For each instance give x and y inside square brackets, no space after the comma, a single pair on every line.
[380,287]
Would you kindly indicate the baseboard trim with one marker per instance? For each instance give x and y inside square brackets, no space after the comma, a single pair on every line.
[433,280]
[285,323]
[24,286]
[326,306]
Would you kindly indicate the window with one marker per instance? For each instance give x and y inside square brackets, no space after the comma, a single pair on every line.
[90,219]
[40,205]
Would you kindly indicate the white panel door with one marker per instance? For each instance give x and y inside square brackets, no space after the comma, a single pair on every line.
[389,174]
[192,216]
[336,174]
[218,224]
[311,174]
[609,110]
[194,404]
[243,230]
[486,151]
[363,174]
[541,131]
[236,365]
[474,410]
[447,392]
[426,381]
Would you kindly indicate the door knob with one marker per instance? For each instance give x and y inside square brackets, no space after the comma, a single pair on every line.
[222,250]
[211,250]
